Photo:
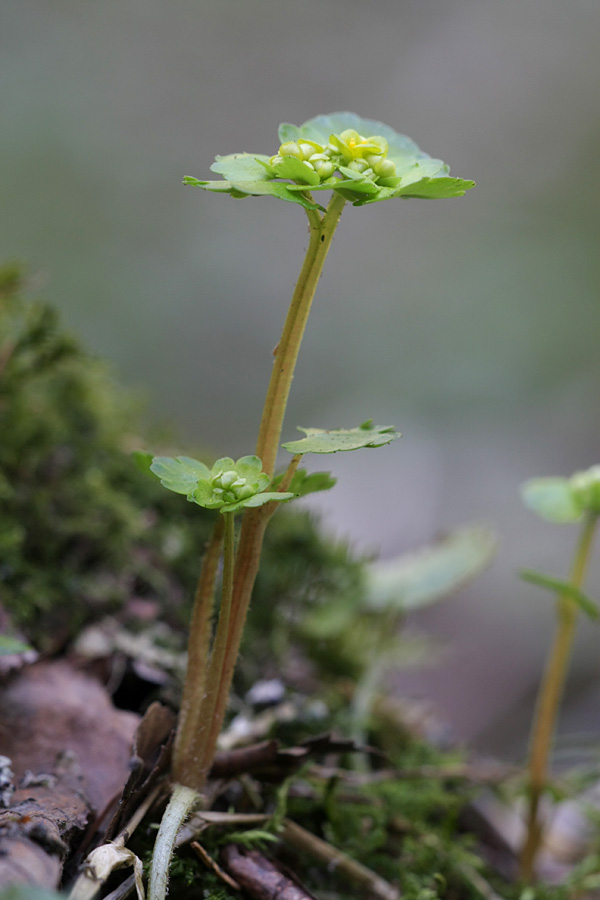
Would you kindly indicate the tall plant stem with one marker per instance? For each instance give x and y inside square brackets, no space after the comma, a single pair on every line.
[254,523]
[205,696]
[549,698]
[322,229]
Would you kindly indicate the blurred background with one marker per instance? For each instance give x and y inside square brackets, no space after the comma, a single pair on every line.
[473,325]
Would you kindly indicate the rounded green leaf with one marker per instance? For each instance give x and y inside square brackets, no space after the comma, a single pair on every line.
[249,466]
[552,499]
[418,579]
[223,464]
[340,439]
[242,167]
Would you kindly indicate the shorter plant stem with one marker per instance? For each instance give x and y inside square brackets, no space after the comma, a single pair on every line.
[189,738]
[551,690]
[181,802]
[215,700]
[322,229]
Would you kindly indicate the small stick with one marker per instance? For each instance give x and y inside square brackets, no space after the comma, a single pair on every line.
[334,859]
[211,864]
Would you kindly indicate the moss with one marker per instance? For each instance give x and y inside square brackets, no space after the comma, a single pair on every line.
[81,528]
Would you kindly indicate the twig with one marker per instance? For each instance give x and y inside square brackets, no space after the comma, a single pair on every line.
[125,889]
[474,773]
[198,821]
[214,866]
[336,860]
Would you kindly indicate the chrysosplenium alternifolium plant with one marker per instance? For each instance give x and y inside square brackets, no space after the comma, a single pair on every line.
[357,161]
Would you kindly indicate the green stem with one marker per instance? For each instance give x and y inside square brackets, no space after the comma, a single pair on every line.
[322,229]
[254,523]
[549,697]
[189,738]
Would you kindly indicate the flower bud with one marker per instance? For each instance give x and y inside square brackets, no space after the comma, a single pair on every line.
[324,168]
[306,149]
[243,491]
[291,148]
[380,143]
[358,165]
[385,169]
[226,479]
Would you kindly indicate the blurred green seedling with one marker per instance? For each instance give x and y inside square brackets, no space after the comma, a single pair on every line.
[350,160]
[560,501]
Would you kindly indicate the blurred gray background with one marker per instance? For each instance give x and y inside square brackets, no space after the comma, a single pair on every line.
[471,324]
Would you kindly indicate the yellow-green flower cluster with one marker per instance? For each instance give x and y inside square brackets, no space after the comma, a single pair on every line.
[365,155]
[313,156]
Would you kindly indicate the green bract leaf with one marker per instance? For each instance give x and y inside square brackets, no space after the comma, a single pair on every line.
[418,579]
[362,159]
[553,499]
[265,497]
[303,483]
[295,170]
[247,174]
[319,441]
[181,474]
[590,607]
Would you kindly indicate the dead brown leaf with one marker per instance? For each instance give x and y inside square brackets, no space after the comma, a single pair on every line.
[70,753]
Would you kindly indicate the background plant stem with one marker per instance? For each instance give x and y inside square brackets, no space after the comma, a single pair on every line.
[551,690]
